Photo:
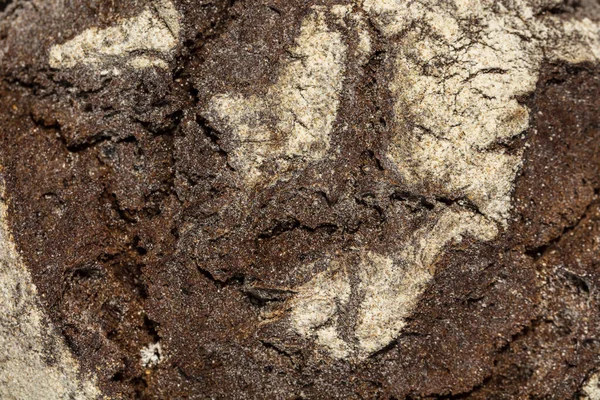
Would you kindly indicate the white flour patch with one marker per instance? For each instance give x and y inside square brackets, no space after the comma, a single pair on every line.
[392,286]
[583,44]
[456,90]
[155,30]
[26,338]
[389,287]
[151,355]
[591,388]
[303,102]
[147,62]
[315,307]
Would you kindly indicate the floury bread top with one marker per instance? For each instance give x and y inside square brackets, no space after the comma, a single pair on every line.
[368,199]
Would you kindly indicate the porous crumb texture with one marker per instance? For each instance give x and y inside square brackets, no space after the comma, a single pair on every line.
[368,199]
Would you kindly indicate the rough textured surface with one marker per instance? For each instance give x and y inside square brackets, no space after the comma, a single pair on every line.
[152,31]
[302,104]
[591,388]
[34,361]
[289,199]
[387,288]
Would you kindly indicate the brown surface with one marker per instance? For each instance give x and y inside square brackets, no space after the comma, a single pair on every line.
[136,229]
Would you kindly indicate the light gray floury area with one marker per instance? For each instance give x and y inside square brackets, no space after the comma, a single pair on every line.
[34,361]
[156,29]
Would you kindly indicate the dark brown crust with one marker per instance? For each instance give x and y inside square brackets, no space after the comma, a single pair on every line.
[135,227]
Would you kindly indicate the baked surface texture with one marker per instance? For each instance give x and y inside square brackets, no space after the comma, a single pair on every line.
[368,199]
